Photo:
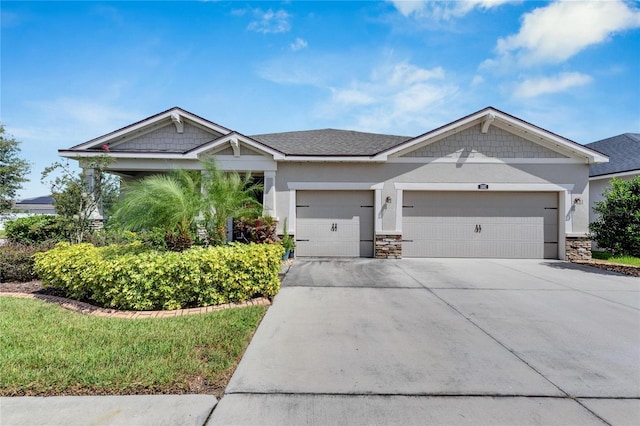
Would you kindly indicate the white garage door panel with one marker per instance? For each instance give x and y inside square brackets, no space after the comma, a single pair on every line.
[469,224]
[334,223]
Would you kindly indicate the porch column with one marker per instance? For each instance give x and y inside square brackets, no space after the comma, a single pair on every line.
[96,216]
[269,194]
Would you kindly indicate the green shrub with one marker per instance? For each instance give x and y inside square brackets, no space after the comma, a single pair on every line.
[17,263]
[152,239]
[617,227]
[35,229]
[133,277]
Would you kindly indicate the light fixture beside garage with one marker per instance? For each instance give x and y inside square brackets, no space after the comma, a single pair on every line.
[577,201]
[483,186]
[388,199]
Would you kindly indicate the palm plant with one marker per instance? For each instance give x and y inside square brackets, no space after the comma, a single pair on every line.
[179,201]
[226,195]
[171,202]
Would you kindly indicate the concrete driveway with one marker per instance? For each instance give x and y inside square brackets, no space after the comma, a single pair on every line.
[442,341]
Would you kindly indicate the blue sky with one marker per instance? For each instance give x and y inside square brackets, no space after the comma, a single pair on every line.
[72,71]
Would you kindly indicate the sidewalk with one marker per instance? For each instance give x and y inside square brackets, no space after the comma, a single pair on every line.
[141,410]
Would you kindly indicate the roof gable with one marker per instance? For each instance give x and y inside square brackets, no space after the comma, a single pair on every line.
[489,117]
[623,151]
[473,143]
[175,117]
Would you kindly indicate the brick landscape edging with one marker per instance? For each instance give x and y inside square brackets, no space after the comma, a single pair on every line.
[88,309]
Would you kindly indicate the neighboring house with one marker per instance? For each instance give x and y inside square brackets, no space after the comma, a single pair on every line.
[624,163]
[28,207]
[37,205]
[486,185]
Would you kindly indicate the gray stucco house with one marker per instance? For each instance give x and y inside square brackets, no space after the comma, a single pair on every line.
[486,185]
[624,163]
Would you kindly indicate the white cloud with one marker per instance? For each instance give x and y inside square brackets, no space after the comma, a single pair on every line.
[270,21]
[443,9]
[533,87]
[299,44]
[556,32]
[477,80]
[351,97]
[400,98]
[408,7]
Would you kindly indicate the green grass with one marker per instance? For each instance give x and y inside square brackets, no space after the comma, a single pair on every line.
[624,260]
[46,350]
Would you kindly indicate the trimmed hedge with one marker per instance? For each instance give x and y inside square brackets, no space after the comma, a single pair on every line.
[35,229]
[132,277]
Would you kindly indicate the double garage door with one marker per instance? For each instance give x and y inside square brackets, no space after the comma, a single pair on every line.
[434,224]
[480,224]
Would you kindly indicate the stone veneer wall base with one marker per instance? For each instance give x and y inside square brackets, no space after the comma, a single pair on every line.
[578,249]
[388,246]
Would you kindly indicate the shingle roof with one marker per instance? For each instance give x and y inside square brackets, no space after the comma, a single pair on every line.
[623,151]
[330,142]
[45,199]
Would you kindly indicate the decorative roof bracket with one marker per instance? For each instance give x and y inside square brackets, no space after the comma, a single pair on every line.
[175,117]
[235,146]
[487,122]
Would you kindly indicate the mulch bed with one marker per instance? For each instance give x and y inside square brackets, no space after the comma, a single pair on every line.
[633,271]
[30,287]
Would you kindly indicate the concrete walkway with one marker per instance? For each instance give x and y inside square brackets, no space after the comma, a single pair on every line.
[107,410]
[446,341]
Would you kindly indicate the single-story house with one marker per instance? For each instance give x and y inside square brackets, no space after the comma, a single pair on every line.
[486,185]
[35,205]
[28,207]
[624,163]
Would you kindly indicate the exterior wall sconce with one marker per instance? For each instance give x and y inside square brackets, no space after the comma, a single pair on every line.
[577,201]
[388,199]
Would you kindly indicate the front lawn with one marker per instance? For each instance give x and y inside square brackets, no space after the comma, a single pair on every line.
[47,350]
[623,260]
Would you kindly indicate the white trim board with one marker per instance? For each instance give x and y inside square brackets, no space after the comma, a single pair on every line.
[511,187]
[334,186]
[485,160]
[616,175]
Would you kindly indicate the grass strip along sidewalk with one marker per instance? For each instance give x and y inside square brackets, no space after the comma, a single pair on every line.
[47,350]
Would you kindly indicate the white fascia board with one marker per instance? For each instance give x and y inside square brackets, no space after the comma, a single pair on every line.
[227,139]
[145,155]
[549,140]
[493,187]
[484,160]
[332,159]
[615,175]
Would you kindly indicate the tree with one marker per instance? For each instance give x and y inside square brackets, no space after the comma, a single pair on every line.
[617,229]
[182,200]
[12,170]
[79,196]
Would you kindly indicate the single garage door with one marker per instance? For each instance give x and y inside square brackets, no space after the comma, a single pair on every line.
[480,224]
[334,223]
